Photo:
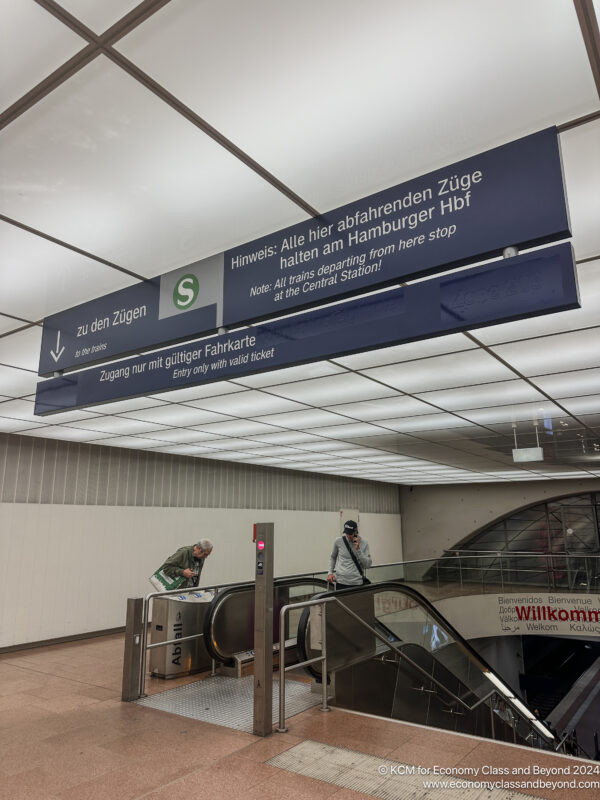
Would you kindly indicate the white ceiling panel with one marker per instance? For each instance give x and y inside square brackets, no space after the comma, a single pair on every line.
[301,420]
[22,349]
[489,394]
[17,382]
[567,384]
[336,388]
[176,415]
[324,129]
[386,407]
[99,16]
[249,404]
[575,350]
[194,393]
[40,277]
[407,352]
[443,372]
[117,425]
[513,413]
[581,162]
[14,425]
[34,44]
[67,434]
[302,373]
[84,168]
[425,422]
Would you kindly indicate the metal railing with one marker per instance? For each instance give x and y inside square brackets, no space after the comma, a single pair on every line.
[493,571]
[215,589]
[534,726]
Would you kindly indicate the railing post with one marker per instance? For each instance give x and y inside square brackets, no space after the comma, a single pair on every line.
[324,706]
[133,649]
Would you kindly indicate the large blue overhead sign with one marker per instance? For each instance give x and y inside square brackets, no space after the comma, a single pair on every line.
[511,195]
[523,286]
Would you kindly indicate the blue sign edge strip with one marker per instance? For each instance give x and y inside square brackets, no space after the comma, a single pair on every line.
[190,330]
[531,284]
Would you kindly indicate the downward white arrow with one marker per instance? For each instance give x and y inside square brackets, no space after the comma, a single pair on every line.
[58,353]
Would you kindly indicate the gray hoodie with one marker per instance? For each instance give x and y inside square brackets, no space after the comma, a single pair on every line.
[342,564]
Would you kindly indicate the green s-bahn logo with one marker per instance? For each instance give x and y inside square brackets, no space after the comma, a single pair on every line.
[185,292]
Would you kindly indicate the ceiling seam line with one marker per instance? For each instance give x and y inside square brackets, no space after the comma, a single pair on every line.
[74,64]
[550,399]
[590,32]
[72,247]
[177,105]
[48,84]
[576,123]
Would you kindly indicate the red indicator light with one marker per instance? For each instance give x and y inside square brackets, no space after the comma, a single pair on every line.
[260,545]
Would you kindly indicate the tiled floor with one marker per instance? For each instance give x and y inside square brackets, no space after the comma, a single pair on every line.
[65,735]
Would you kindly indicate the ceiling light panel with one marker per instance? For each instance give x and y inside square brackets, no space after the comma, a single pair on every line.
[94,138]
[443,372]
[23,409]
[122,406]
[195,393]
[176,415]
[183,449]
[99,16]
[69,434]
[349,431]
[34,43]
[133,442]
[250,404]
[426,422]
[489,394]
[301,420]
[577,405]
[61,277]
[301,373]
[117,425]
[542,77]
[381,409]
[514,413]
[333,389]
[288,437]
[567,384]
[238,427]
[575,350]
[407,352]
[14,425]
[232,443]
[181,435]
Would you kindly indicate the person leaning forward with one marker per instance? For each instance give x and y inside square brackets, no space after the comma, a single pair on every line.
[187,562]
[342,569]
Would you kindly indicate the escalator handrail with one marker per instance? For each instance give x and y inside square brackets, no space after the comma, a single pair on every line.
[222,597]
[471,654]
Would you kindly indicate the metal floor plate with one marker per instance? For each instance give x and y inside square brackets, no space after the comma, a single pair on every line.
[382,778]
[229,701]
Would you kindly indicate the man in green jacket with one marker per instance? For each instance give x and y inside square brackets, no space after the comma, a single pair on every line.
[187,562]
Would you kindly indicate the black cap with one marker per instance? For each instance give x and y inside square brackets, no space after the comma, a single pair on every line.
[350,526]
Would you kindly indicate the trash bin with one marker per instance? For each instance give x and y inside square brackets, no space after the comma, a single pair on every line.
[175,617]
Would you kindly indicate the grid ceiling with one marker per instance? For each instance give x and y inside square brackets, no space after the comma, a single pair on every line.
[137,138]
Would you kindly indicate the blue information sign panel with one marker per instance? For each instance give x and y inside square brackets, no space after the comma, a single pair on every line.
[523,286]
[178,305]
[511,195]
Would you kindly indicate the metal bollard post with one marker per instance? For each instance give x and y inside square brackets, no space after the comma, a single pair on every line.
[133,650]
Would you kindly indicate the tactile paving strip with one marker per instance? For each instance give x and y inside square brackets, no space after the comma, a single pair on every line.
[379,777]
[229,701]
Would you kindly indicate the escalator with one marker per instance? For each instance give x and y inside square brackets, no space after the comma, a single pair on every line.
[391,653]
[229,622]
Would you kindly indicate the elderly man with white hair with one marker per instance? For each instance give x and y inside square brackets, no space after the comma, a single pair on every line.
[187,562]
